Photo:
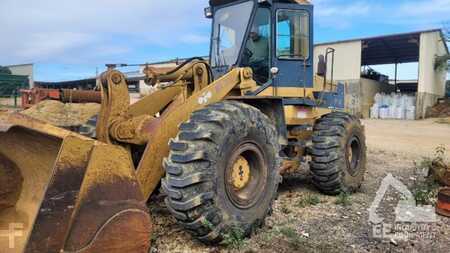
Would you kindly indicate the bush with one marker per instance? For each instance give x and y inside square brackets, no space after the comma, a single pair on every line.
[343,199]
[308,200]
[234,239]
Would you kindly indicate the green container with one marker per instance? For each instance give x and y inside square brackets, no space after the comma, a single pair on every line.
[11,84]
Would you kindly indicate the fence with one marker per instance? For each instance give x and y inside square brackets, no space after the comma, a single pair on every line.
[10,101]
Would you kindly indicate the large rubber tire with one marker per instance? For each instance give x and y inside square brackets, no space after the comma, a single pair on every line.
[338,153]
[198,194]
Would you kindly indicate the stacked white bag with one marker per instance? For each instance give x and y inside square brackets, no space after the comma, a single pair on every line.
[393,106]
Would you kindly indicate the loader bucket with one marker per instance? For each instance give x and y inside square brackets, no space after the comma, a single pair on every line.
[60,191]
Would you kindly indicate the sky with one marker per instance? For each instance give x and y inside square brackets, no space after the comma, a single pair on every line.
[69,40]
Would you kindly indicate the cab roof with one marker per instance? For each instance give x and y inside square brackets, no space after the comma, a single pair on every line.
[222,2]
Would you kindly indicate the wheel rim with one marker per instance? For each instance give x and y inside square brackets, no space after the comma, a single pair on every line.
[353,154]
[246,175]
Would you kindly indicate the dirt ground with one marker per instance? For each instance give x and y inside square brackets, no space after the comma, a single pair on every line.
[328,226]
[8,102]
[418,137]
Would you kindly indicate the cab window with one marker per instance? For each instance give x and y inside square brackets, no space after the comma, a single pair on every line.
[230,24]
[292,34]
[256,53]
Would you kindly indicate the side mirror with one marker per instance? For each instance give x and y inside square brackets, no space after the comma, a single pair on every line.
[321,66]
[208,12]
[274,71]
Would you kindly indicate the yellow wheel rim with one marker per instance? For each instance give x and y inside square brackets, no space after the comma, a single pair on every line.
[240,173]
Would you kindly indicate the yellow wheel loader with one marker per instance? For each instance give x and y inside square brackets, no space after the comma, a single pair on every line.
[215,137]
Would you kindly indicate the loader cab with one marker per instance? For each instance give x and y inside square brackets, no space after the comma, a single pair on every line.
[263,34]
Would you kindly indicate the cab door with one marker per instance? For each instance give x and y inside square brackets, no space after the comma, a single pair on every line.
[293,48]
[256,53]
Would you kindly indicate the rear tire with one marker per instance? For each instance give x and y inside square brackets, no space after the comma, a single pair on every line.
[338,153]
[223,171]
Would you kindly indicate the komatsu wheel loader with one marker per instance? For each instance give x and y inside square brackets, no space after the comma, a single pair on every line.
[215,137]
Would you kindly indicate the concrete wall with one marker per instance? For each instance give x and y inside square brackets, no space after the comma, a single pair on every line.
[424,102]
[23,70]
[353,97]
[347,61]
[360,95]
[431,81]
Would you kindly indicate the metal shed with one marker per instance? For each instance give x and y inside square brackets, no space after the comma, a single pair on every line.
[421,47]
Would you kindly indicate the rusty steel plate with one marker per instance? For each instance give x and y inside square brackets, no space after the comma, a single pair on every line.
[443,204]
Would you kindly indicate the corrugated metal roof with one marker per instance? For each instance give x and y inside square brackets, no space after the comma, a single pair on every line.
[222,2]
[19,65]
[388,49]
[377,37]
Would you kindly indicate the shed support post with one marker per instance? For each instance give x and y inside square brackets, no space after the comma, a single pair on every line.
[396,76]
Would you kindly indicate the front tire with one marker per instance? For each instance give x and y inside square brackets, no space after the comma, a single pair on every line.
[338,153]
[223,170]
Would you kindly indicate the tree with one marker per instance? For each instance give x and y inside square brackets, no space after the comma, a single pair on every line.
[443,62]
[447,40]
[447,32]
[5,70]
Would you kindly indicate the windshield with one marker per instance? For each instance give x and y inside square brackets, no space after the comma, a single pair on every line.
[230,24]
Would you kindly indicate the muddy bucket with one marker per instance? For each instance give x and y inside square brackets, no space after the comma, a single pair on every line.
[63,192]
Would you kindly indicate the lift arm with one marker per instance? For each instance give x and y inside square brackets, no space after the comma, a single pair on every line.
[139,124]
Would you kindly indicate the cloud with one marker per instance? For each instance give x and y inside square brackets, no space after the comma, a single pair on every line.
[415,14]
[94,32]
[425,13]
[326,9]
[62,31]
[338,14]
[47,44]
[427,8]
[195,39]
